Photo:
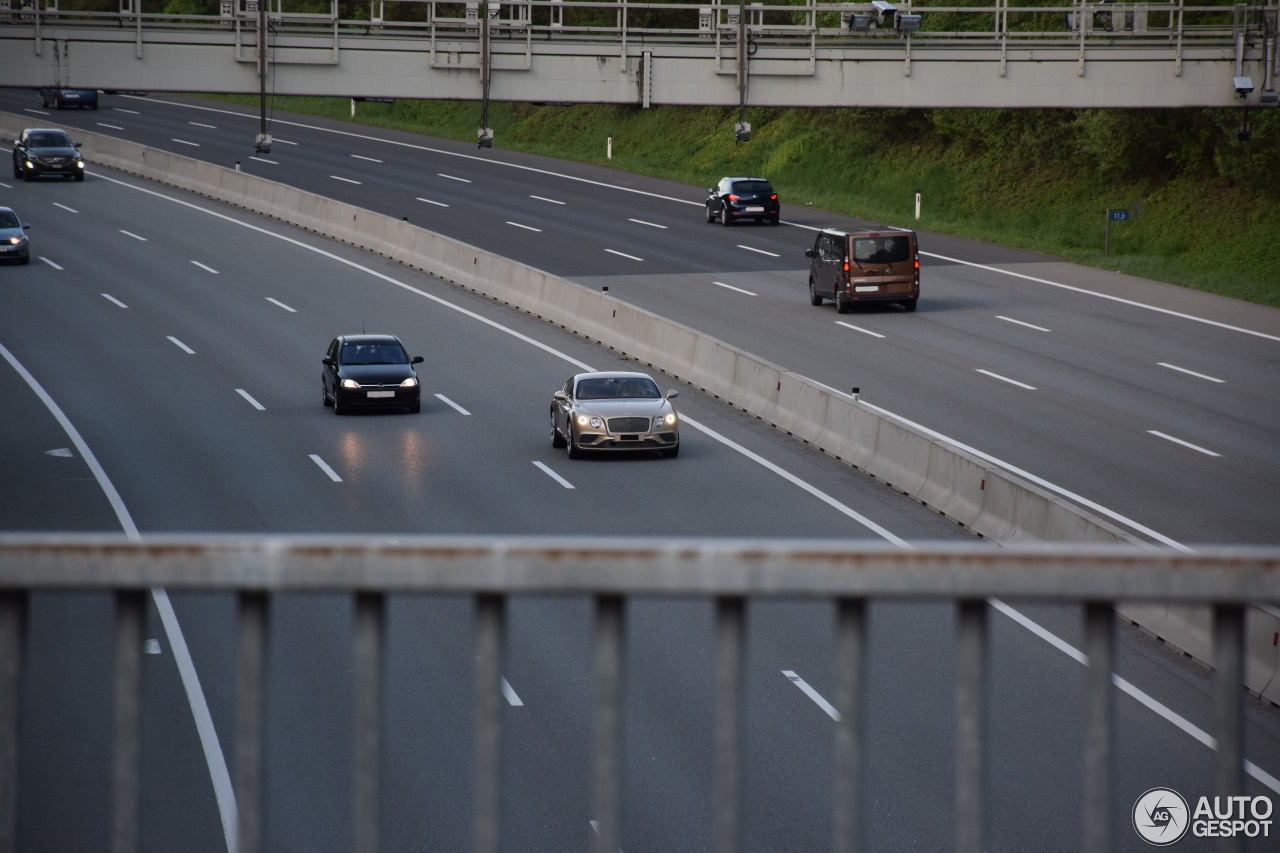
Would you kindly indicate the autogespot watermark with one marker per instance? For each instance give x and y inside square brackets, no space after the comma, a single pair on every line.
[1162,817]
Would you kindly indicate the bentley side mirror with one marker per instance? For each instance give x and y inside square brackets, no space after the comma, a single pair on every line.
[672,393]
[561,396]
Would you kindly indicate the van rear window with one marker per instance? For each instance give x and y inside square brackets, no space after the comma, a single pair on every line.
[881,250]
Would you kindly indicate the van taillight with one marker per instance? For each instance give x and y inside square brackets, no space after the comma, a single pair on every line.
[846,266]
[917,263]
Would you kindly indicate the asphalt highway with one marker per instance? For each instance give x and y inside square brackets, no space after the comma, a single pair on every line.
[182,339]
[1154,406]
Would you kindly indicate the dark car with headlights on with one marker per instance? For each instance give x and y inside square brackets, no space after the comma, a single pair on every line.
[614,411]
[60,98]
[743,198]
[13,237]
[47,151]
[370,372]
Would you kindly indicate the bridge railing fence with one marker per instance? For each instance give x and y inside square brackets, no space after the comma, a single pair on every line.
[611,573]
[799,25]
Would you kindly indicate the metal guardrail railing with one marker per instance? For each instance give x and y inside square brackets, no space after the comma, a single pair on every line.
[802,25]
[610,571]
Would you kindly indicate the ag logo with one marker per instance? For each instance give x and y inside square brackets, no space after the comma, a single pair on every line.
[1160,816]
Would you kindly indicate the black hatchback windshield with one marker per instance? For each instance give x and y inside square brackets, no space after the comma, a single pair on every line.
[380,353]
[752,187]
[49,139]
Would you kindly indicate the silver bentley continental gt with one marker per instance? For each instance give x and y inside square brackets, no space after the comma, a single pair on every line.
[614,411]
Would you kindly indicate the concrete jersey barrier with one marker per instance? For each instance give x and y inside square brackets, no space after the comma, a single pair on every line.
[983,498]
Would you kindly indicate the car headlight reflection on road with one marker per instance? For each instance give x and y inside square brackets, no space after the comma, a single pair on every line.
[409,383]
[350,383]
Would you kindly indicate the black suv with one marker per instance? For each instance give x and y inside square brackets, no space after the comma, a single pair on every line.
[743,198]
[46,151]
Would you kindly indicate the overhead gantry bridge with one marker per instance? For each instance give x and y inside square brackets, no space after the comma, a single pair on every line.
[881,54]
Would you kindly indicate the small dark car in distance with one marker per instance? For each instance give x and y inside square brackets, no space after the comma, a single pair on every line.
[59,98]
[47,151]
[743,198]
[370,372]
[13,237]
[853,269]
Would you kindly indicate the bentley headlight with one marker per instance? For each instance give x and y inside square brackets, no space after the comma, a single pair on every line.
[596,423]
[582,420]
[669,420]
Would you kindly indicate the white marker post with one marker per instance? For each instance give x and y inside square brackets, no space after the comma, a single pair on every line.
[917,205]
[608,147]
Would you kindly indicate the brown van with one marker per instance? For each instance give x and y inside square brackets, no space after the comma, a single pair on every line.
[868,266]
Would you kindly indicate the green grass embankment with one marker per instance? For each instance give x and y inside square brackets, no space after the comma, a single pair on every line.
[1024,184]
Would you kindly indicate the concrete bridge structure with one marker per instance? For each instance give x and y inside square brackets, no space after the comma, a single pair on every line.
[1063,55]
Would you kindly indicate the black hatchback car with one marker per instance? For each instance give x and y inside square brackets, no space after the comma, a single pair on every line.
[370,372]
[743,198]
[47,151]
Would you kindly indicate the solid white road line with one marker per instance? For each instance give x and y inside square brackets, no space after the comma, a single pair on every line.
[1020,323]
[624,255]
[252,402]
[553,475]
[761,251]
[731,287]
[525,227]
[552,200]
[1183,443]
[650,224]
[345,180]
[185,142]
[812,694]
[1006,379]
[1188,372]
[443,399]
[64,207]
[198,124]
[131,234]
[108,296]
[436,203]
[510,694]
[370,159]
[282,305]
[859,329]
[223,791]
[333,475]
[796,481]
[110,126]
[264,160]
[37,112]
[205,267]
[452,178]
[50,263]
[188,350]
[1145,699]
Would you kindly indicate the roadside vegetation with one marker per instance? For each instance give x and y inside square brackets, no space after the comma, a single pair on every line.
[1204,205]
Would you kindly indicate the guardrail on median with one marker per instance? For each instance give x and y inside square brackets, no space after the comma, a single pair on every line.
[610,572]
[985,499]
